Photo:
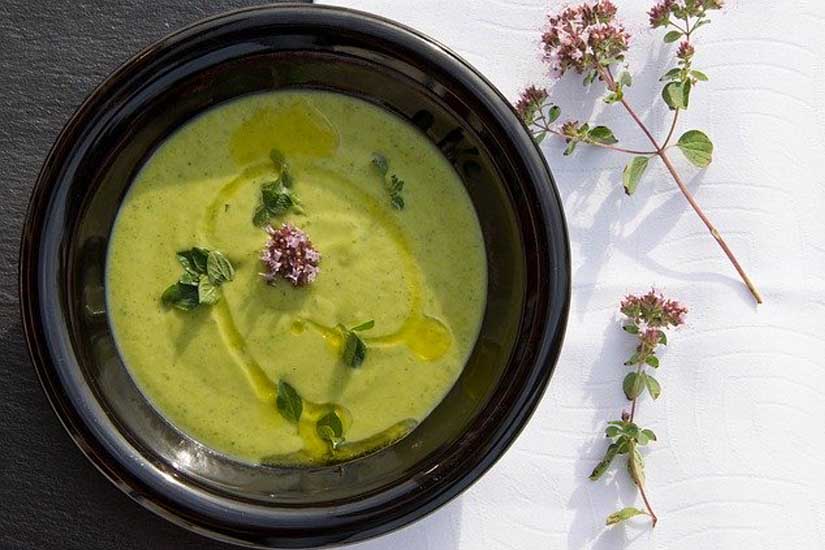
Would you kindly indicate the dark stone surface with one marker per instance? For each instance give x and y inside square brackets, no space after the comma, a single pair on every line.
[52,53]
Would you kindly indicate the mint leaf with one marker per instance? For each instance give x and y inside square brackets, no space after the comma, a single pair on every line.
[653,361]
[218,268]
[571,146]
[180,296]
[675,95]
[636,466]
[633,385]
[289,403]
[208,293]
[649,434]
[625,79]
[696,147]
[632,329]
[662,338]
[699,75]
[261,216]
[603,135]
[330,429]
[355,350]
[364,326]
[193,260]
[672,74]
[653,387]
[602,466]
[633,173]
[672,36]
[624,514]
[190,279]
[553,114]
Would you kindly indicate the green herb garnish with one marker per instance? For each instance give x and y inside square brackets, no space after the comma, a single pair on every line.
[394,185]
[277,197]
[289,402]
[204,272]
[355,350]
[330,429]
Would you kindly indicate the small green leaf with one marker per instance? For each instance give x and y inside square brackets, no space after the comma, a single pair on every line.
[364,326]
[276,198]
[189,278]
[219,268]
[193,260]
[633,173]
[208,293]
[289,403]
[331,429]
[653,387]
[625,79]
[380,163]
[603,135]
[653,361]
[662,338]
[696,147]
[553,114]
[699,75]
[624,514]
[636,466]
[355,350]
[634,359]
[602,466]
[674,95]
[633,385]
[672,36]
[589,78]
[571,146]
[397,202]
[181,296]
[261,216]
[649,434]
[612,431]
[672,74]
[632,329]
[539,137]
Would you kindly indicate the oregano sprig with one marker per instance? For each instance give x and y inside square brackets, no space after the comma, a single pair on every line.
[647,319]
[393,185]
[589,40]
[278,195]
[354,350]
[204,271]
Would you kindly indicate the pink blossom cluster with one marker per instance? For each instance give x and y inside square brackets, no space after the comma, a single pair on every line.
[530,101]
[289,254]
[661,13]
[654,311]
[584,37]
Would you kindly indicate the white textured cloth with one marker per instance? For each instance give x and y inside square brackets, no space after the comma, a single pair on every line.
[741,452]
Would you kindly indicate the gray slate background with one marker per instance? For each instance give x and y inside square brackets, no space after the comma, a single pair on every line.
[52,54]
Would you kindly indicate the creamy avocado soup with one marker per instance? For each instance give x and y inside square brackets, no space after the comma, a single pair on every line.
[296,277]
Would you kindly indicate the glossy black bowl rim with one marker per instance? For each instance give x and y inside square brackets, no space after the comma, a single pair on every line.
[519,413]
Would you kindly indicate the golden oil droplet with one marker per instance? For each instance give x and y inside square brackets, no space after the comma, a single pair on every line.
[429,338]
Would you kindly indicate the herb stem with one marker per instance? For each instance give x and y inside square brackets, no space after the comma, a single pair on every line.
[660,151]
[672,129]
[595,144]
[713,231]
[633,403]
[653,518]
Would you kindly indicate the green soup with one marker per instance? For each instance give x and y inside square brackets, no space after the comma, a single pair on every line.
[419,272]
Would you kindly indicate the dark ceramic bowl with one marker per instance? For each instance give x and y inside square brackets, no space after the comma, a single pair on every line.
[88,172]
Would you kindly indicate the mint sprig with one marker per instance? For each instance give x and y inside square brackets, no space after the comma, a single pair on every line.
[277,196]
[204,271]
[355,350]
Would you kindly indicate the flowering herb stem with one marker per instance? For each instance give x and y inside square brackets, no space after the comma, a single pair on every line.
[589,40]
[647,319]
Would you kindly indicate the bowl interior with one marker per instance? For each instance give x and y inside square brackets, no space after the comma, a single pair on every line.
[88,175]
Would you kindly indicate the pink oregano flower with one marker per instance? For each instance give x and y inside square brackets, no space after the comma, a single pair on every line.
[584,38]
[289,254]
